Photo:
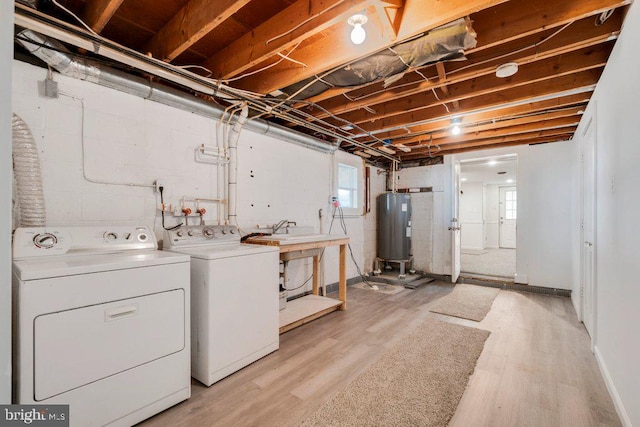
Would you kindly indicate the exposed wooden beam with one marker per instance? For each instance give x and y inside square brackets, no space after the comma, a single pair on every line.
[195,20]
[390,16]
[584,35]
[520,18]
[526,138]
[582,81]
[301,20]
[471,131]
[531,73]
[529,24]
[491,145]
[444,121]
[334,49]
[97,13]
[527,128]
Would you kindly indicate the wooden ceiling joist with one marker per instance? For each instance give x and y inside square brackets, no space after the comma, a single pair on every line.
[585,36]
[418,16]
[194,21]
[472,131]
[301,20]
[529,25]
[97,13]
[524,138]
[578,82]
[531,73]
[570,102]
[519,18]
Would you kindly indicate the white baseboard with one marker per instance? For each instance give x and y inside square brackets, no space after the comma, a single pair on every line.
[617,401]
[521,278]
[575,301]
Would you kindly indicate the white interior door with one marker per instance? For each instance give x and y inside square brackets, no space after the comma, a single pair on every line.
[455,223]
[508,216]
[588,278]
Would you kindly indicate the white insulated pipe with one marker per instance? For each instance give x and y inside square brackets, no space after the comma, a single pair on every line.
[26,169]
[233,138]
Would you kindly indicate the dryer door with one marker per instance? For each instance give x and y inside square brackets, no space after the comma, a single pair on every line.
[76,347]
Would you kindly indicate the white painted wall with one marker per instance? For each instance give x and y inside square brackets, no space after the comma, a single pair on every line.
[491,216]
[6,55]
[546,200]
[545,208]
[378,186]
[431,216]
[129,139]
[615,105]
[471,215]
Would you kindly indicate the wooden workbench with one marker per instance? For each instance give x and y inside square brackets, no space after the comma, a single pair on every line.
[305,309]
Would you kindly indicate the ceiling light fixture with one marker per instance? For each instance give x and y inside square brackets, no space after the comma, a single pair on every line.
[509,181]
[506,70]
[358,34]
[456,126]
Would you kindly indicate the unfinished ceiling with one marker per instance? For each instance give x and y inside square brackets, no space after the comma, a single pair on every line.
[279,49]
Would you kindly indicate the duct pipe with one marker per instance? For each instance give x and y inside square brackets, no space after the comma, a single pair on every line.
[234,137]
[26,169]
[55,55]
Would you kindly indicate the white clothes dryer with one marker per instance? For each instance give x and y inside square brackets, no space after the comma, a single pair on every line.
[101,323]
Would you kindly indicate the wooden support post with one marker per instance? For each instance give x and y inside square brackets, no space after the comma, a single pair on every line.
[316,270]
[342,284]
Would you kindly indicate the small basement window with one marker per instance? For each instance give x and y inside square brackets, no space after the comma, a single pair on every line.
[347,186]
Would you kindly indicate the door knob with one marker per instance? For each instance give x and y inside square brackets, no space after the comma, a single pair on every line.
[588,244]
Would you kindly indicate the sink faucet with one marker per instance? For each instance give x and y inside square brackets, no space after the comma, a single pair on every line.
[279,225]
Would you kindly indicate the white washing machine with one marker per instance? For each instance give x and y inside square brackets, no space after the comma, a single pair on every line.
[234,299]
[101,323]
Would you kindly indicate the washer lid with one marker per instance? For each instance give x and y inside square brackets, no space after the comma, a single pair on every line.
[70,265]
[217,251]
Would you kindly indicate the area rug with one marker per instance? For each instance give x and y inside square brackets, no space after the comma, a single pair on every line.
[383,288]
[467,301]
[418,382]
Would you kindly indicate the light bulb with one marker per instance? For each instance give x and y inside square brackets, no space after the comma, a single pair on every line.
[358,34]
[456,129]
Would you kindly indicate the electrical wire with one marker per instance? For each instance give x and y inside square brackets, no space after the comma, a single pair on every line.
[76,18]
[84,157]
[161,189]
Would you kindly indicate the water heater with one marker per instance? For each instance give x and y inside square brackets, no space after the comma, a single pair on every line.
[394,226]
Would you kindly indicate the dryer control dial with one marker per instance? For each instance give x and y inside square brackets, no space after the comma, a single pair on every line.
[45,240]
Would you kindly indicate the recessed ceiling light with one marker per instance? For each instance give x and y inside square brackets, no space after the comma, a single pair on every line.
[506,70]
[463,179]
[509,181]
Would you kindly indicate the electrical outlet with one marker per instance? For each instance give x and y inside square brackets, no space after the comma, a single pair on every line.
[157,184]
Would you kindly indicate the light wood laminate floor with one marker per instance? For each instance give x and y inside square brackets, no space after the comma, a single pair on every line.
[536,368]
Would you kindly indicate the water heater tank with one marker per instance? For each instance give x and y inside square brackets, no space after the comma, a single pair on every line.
[394,226]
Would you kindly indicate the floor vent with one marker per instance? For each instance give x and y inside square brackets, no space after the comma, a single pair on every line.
[510,286]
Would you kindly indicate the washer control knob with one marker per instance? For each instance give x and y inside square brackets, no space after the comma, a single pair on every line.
[180,233]
[45,240]
[224,231]
[190,232]
[110,236]
[142,237]
[208,232]
[231,231]
[127,236]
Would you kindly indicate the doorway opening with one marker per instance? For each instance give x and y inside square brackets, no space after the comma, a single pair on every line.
[488,217]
